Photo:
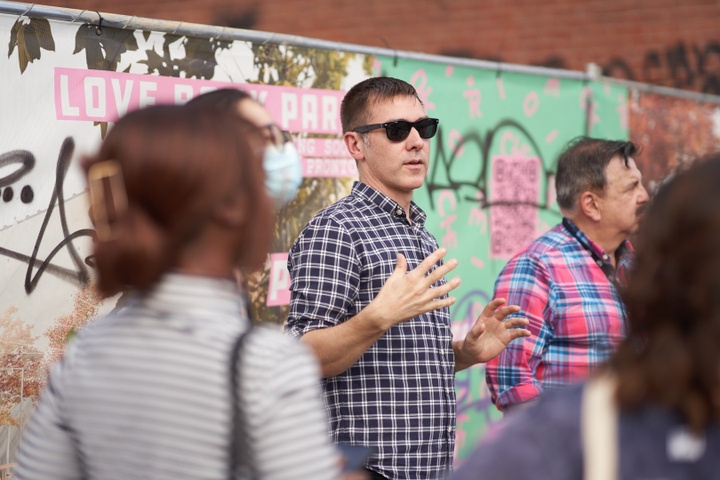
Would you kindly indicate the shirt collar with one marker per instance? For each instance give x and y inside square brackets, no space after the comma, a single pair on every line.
[622,250]
[388,205]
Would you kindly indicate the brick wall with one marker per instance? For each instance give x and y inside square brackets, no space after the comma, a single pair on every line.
[669,42]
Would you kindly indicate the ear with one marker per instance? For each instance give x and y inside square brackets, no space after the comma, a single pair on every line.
[590,206]
[355,145]
[232,211]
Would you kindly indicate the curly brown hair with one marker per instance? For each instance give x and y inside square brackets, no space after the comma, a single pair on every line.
[672,354]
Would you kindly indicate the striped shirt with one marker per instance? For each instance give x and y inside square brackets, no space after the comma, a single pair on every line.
[576,315]
[399,397]
[145,393]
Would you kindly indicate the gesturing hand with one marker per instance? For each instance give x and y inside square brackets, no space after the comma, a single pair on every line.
[490,334]
[408,294]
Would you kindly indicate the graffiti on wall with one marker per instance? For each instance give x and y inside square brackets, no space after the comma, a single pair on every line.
[66,84]
[23,361]
[490,186]
[36,267]
[489,190]
[686,66]
[672,132]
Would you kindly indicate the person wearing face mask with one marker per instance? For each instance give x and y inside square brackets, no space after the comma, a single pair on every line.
[170,386]
[281,162]
[283,169]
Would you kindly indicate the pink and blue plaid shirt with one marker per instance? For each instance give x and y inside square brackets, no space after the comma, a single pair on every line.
[576,315]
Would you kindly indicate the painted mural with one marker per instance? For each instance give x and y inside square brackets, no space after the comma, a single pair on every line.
[489,191]
[490,188]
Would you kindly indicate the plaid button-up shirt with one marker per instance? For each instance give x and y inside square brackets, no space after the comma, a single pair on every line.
[576,315]
[399,397]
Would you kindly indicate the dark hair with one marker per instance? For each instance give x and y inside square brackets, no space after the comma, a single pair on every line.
[581,167]
[221,98]
[355,106]
[177,165]
[672,354]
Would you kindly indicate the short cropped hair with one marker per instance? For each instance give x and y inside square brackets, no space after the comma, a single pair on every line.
[355,107]
[581,167]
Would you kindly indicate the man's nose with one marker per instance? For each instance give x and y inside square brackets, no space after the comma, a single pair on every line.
[414,139]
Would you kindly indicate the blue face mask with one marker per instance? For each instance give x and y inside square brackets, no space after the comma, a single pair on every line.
[283,173]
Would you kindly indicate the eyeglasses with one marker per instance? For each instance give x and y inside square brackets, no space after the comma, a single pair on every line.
[277,136]
[399,130]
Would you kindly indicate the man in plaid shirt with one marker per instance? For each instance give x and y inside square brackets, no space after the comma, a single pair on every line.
[369,296]
[566,281]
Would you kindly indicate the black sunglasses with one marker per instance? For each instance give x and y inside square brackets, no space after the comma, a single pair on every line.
[399,130]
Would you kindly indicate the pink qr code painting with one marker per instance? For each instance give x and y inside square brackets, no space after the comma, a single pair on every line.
[514,196]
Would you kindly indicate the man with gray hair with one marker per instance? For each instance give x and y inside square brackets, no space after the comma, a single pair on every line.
[566,281]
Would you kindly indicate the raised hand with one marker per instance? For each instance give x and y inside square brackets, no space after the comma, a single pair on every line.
[490,334]
[406,295]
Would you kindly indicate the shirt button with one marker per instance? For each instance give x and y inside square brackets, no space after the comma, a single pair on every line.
[449,429]
[398,212]
[442,352]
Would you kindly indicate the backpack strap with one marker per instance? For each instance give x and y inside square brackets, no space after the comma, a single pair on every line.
[599,429]
[239,444]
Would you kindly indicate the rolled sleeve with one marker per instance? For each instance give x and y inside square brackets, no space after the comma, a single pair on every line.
[324,277]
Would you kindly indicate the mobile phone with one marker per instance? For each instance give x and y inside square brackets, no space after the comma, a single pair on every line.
[354,456]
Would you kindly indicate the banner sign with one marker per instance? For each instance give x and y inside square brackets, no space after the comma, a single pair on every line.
[489,189]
